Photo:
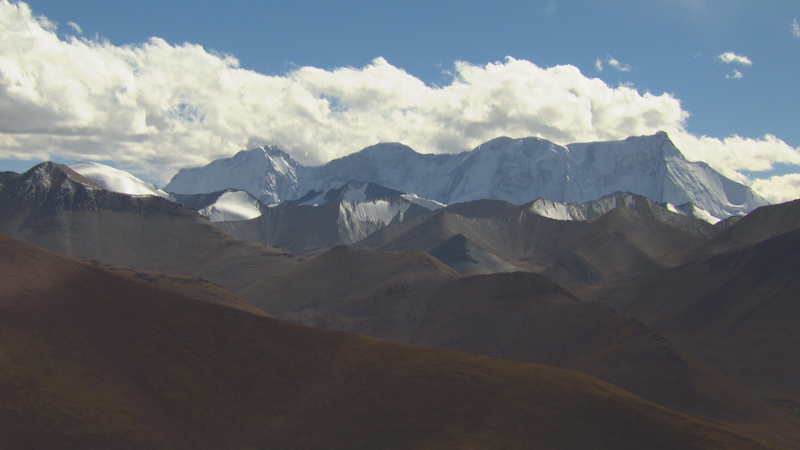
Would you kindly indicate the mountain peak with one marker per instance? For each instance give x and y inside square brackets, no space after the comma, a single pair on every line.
[48,175]
[392,150]
[267,173]
[503,141]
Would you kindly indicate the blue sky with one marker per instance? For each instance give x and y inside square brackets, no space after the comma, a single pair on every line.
[745,104]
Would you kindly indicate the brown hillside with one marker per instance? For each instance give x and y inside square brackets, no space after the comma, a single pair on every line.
[94,360]
[761,224]
[621,245]
[738,311]
[409,297]
[376,290]
[188,286]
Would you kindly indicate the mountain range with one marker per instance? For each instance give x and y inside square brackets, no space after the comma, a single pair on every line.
[171,330]
[514,170]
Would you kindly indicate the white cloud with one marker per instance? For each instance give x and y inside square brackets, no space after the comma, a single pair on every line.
[161,107]
[795,29]
[735,76]
[75,27]
[730,57]
[154,108]
[735,154]
[613,63]
[779,189]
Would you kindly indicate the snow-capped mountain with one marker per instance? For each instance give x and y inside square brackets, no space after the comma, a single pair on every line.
[515,170]
[116,180]
[268,173]
[652,166]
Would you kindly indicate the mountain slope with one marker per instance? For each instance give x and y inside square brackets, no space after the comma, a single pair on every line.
[763,223]
[622,244]
[468,258]
[352,190]
[593,210]
[655,168]
[125,365]
[735,310]
[307,230]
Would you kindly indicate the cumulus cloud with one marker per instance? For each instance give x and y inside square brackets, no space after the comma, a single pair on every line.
[730,57]
[734,154]
[153,108]
[779,189]
[161,107]
[795,29]
[612,63]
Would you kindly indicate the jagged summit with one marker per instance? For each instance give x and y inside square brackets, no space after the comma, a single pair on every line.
[268,173]
[49,183]
[514,170]
[49,174]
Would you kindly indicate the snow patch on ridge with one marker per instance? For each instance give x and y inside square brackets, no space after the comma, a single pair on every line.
[232,206]
[424,202]
[116,180]
[373,211]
